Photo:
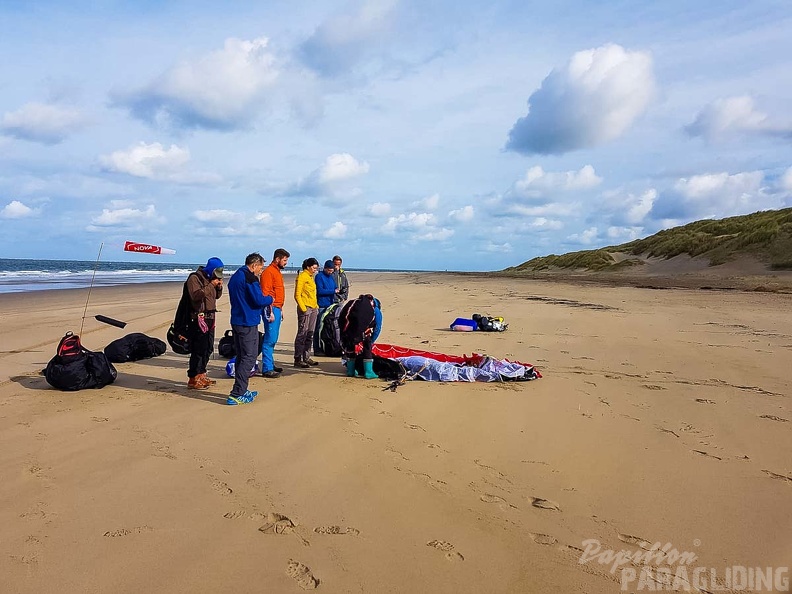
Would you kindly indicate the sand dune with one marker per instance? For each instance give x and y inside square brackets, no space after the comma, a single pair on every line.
[663,416]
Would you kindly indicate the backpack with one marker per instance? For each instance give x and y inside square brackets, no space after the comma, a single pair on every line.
[180,328]
[134,347]
[76,368]
[490,324]
[330,332]
[225,346]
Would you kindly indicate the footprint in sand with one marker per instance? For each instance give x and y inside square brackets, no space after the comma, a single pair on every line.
[235,515]
[780,477]
[128,531]
[703,453]
[544,504]
[652,387]
[490,498]
[277,524]
[705,401]
[774,418]
[543,539]
[301,574]
[447,548]
[220,486]
[336,530]
[635,540]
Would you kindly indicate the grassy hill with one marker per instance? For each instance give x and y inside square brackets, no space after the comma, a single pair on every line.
[764,236]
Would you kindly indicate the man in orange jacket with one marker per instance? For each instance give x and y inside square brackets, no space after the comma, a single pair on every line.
[272,285]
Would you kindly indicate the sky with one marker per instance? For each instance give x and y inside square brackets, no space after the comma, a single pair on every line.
[400,134]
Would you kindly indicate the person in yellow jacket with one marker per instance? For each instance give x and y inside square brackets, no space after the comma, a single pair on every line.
[307,313]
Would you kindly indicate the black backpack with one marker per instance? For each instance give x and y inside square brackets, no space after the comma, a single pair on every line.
[180,328]
[330,332]
[76,368]
[225,346]
[134,347]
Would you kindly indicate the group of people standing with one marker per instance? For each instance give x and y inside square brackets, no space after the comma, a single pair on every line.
[257,294]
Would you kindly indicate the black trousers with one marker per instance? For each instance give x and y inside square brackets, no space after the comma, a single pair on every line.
[201,347]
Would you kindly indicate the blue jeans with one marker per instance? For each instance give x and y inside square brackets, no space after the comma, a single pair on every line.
[246,346]
[271,332]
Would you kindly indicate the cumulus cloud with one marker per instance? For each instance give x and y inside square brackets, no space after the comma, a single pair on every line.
[624,234]
[421,226]
[463,215]
[230,223]
[543,223]
[346,39]
[537,183]
[154,161]
[379,209]
[124,218]
[498,248]
[334,180]
[41,122]
[17,210]
[336,231]
[594,98]
[586,237]
[222,90]
[628,209]
[734,116]
[786,180]
[711,195]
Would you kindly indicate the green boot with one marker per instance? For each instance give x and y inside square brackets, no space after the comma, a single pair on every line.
[368,369]
[350,365]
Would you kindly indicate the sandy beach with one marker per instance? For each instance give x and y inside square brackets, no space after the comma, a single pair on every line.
[662,416]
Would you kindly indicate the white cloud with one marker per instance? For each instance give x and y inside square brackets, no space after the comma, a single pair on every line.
[417,226]
[379,209]
[334,180]
[230,223]
[348,38]
[723,185]
[154,161]
[336,231]
[786,180]
[124,217]
[543,223]
[629,209]
[431,202]
[463,215]
[501,248]
[223,90]
[537,183]
[16,210]
[731,116]
[41,122]
[624,234]
[594,98]
[217,216]
[586,237]
[557,209]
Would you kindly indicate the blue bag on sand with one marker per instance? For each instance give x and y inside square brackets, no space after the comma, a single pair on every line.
[230,368]
[464,325]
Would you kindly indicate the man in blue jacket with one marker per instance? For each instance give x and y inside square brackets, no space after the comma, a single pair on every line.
[326,290]
[247,301]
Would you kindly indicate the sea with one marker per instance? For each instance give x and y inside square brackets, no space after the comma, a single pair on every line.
[20,275]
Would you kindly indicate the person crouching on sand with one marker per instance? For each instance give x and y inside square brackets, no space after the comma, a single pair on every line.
[360,325]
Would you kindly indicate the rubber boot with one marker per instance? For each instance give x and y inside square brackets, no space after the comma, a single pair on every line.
[350,365]
[368,370]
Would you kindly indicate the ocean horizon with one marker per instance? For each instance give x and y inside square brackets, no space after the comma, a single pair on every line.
[22,275]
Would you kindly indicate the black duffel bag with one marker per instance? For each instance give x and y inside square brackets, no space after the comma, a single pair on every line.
[76,368]
[225,346]
[134,347]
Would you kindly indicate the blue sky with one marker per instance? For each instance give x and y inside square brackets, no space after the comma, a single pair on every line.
[398,133]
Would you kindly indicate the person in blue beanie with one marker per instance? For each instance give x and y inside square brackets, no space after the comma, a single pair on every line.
[203,288]
[247,302]
[326,291]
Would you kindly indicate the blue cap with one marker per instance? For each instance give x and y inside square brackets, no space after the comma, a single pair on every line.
[329,264]
[214,267]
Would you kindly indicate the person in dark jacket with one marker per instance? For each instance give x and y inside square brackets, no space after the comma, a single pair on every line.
[203,287]
[326,290]
[247,302]
[358,321]
[341,280]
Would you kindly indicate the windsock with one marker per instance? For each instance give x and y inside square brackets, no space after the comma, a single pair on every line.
[131,246]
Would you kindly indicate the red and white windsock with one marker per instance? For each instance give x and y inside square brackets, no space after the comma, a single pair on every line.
[131,246]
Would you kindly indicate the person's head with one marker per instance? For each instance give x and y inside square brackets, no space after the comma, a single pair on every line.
[214,268]
[337,262]
[329,267]
[255,263]
[311,265]
[280,258]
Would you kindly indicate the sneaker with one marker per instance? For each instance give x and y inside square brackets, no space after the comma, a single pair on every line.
[302,364]
[271,374]
[311,362]
[278,369]
[195,383]
[246,398]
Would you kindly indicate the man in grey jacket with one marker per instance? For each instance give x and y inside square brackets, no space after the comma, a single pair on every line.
[341,281]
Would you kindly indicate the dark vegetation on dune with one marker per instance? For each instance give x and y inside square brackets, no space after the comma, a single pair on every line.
[765,236]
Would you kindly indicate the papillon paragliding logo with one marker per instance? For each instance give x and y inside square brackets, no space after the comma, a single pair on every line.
[131,246]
